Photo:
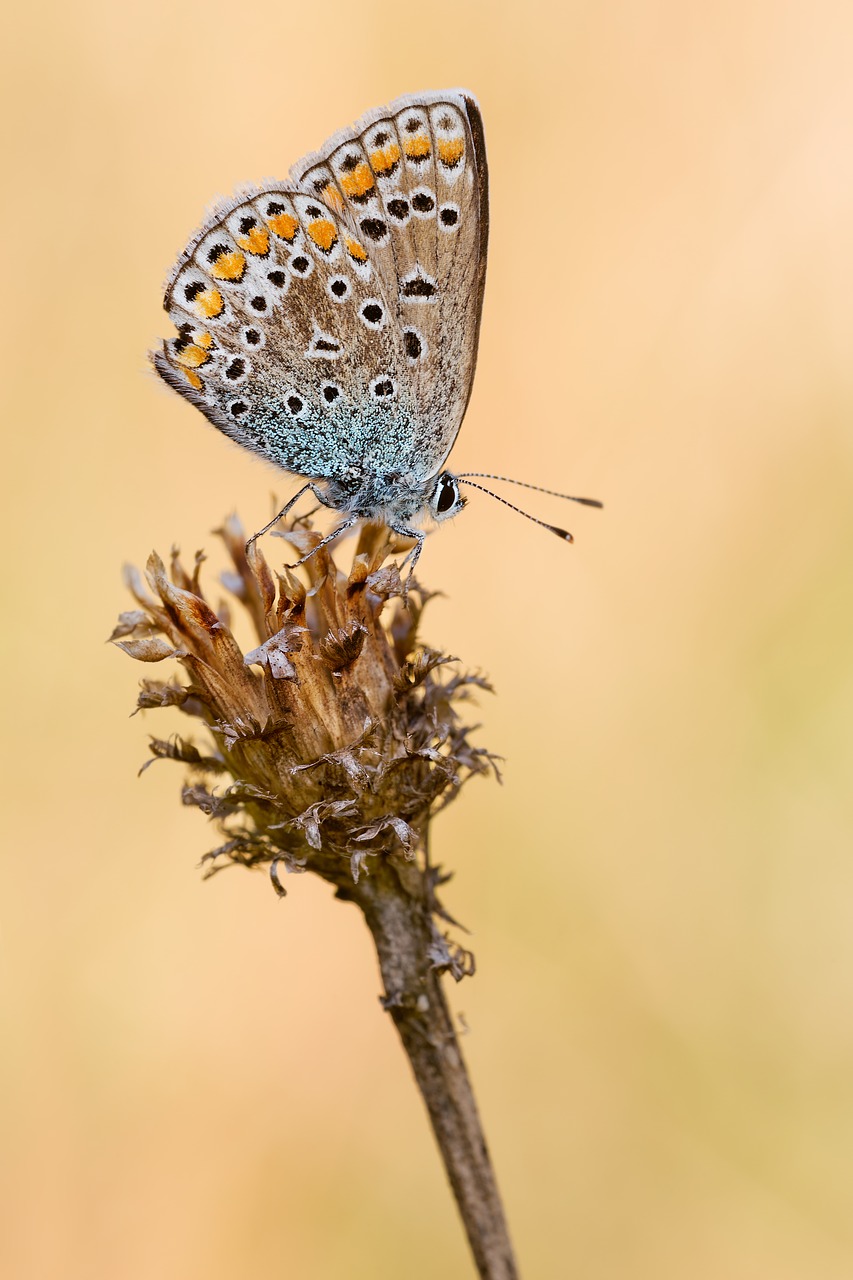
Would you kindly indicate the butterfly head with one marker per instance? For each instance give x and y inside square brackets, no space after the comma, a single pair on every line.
[445,500]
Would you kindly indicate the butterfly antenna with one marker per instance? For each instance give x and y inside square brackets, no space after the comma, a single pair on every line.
[561,533]
[484,475]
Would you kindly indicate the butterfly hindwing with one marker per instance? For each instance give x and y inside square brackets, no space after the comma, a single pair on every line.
[330,323]
[285,338]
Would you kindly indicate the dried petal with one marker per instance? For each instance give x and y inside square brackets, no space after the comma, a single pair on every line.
[156,693]
[272,654]
[186,752]
[148,649]
[130,622]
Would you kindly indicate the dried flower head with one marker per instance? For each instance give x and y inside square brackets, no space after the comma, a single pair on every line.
[329,745]
[333,740]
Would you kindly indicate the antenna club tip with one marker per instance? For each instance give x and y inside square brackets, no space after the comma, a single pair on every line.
[561,533]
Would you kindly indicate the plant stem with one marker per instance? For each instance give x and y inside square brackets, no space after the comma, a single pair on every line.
[396,904]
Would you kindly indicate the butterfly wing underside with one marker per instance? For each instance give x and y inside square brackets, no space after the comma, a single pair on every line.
[413,180]
[330,323]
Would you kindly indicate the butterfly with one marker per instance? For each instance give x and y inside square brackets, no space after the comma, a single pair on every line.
[329,323]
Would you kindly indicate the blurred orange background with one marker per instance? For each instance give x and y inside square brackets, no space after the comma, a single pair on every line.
[197,1079]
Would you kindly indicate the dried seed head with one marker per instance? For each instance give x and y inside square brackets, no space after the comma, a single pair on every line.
[338,730]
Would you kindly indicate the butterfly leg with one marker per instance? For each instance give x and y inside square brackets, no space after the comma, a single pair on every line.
[414,555]
[291,502]
[324,542]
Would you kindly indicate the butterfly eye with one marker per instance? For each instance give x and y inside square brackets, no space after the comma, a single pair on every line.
[446,495]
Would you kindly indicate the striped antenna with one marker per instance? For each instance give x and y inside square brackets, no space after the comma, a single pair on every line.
[484,475]
[552,528]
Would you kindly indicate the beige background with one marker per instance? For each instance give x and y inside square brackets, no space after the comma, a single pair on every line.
[197,1080]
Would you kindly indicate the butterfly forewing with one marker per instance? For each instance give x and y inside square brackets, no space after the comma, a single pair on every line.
[330,323]
[413,180]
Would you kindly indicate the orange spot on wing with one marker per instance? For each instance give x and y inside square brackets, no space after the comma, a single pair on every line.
[229,266]
[210,303]
[255,241]
[191,357]
[451,150]
[359,182]
[284,225]
[193,379]
[382,161]
[323,232]
[203,340]
[416,146]
[355,250]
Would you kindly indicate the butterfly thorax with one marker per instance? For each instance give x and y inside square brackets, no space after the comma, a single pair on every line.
[393,497]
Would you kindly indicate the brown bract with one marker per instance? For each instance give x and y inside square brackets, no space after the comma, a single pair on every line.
[335,737]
